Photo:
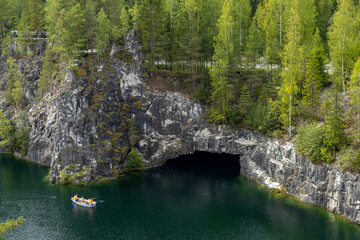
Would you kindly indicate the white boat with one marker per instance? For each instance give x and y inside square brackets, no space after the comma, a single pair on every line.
[84,204]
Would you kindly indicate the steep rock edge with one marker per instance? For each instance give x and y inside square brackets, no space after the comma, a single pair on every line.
[81,131]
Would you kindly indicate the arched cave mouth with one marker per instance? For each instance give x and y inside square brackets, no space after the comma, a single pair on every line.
[205,163]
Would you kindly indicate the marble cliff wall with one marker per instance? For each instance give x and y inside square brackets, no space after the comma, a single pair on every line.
[81,129]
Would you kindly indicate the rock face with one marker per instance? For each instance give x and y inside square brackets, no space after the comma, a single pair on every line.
[84,128]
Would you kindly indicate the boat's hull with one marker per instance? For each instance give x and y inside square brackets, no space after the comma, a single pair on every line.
[84,204]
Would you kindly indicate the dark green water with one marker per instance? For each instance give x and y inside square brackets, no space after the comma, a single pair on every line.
[185,199]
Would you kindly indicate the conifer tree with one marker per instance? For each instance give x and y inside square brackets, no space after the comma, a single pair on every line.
[221,88]
[134,13]
[15,89]
[4,18]
[124,25]
[211,11]
[189,29]
[324,10]
[240,11]
[70,30]
[151,27]
[53,14]
[6,134]
[90,22]
[48,70]
[307,13]
[103,32]
[314,79]
[253,48]
[335,131]
[32,17]
[174,32]
[245,100]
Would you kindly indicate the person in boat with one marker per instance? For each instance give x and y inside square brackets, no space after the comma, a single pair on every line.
[75,197]
[82,199]
[91,201]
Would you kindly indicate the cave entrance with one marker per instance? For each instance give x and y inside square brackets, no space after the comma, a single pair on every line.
[205,163]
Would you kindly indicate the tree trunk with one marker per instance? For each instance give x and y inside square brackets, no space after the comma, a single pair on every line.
[342,60]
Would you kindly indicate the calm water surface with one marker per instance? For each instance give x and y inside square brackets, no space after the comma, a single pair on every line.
[186,199]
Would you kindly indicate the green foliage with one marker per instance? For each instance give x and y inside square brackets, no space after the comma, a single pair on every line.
[335,130]
[48,71]
[314,79]
[5,49]
[32,17]
[245,100]
[14,136]
[240,12]
[349,159]
[103,32]
[68,32]
[309,141]
[15,91]
[134,161]
[134,13]
[254,45]
[354,90]
[271,25]
[124,24]
[151,25]
[202,94]
[324,9]
[22,131]
[134,134]
[10,225]
[292,56]
[188,25]
[221,93]
[343,36]
[263,117]
[7,132]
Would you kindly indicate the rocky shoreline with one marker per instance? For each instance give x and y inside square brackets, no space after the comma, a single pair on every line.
[84,130]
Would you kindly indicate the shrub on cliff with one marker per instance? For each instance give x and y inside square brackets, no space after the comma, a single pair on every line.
[309,141]
[349,159]
[134,161]
[14,135]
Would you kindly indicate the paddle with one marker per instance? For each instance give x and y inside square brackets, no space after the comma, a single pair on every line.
[96,197]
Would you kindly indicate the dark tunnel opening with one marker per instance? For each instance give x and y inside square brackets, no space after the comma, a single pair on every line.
[205,163]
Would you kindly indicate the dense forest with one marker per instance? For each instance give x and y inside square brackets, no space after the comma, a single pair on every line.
[289,69]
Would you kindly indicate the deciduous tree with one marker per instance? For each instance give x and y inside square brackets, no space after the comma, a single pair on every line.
[221,88]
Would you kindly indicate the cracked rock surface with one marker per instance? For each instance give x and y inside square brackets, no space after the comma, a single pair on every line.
[81,130]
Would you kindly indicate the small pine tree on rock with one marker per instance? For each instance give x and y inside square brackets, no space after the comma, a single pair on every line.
[245,100]
[314,78]
[134,161]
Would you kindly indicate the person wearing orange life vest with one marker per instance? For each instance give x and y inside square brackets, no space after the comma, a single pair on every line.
[91,201]
[75,197]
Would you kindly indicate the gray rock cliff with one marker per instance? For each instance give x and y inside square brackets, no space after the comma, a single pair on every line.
[83,129]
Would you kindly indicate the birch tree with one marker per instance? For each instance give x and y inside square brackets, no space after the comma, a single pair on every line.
[291,73]
[221,88]
[354,90]
[342,36]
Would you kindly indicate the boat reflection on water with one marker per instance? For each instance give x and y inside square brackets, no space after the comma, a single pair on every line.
[81,211]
